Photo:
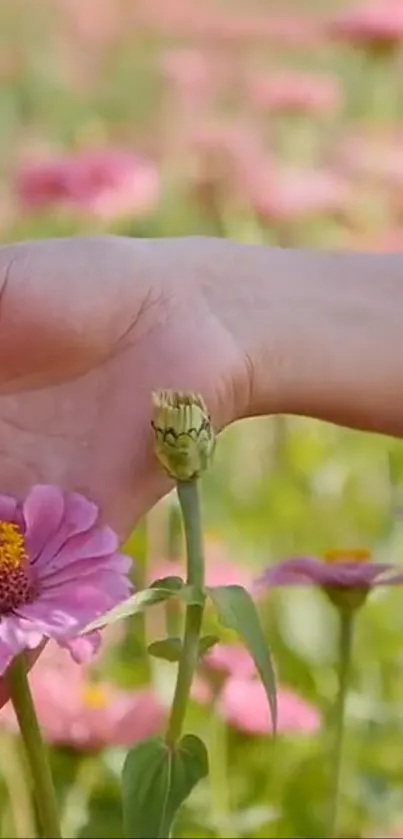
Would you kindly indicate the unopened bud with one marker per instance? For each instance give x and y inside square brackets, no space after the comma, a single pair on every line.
[184,438]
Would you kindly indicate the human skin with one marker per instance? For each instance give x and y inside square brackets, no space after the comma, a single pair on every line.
[90,326]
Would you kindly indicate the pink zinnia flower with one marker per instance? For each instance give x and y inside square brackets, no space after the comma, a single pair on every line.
[73,710]
[243,704]
[301,93]
[189,20]
[289,194]
[377,25]
[241,698]
[376,158]
[231,659]
[107,184]
[346,575]
[59,570]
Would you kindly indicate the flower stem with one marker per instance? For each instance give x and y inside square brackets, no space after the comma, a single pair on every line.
[190,504]
[15,775]
[173,552]
[35,749]
[345,645]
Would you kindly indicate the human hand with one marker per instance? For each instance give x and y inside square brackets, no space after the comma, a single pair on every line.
[88,328]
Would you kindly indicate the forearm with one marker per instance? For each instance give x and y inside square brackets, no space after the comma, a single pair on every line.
[323,331]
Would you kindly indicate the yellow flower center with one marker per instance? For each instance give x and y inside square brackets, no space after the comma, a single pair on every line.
[94,697]
[12,546]
[338,555]
[16,586]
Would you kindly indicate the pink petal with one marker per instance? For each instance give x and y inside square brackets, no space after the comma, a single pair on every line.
[83,648]
[43,511]
[6,657]
[294,571]
[79,516]
[19,634]
[8,508]
[312,571]
[96,542]
[66,610]
[120,564]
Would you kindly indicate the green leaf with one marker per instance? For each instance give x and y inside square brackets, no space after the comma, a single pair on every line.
[170,648]
[167,648]
[174,584]
[236,609]
[206,642]
[156,780]
[134,604]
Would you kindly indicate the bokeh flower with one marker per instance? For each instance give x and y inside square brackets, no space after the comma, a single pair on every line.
[295,92]
[346,576]
[243,705]
[107,184]
[59,570]
[377,157]
[73,710]
[289,194]
[241,699]
[376,26]
[230,659]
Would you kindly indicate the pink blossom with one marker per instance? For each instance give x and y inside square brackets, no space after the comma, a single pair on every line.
[220,571]
[59,570]
[107,183]
[73,710]
[376,25]
[231,659]
[243,704]
[94,21]
[378,158]
[340,569]
[290,194]
[194,74]
[293,92]
[182,18]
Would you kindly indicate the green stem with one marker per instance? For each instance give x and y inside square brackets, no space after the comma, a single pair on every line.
[173,552]
[345,645]
[190,505]
[17,782]
[35,749]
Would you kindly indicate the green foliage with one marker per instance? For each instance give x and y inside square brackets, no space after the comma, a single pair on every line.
[237,611]
[170,648]
[156,781]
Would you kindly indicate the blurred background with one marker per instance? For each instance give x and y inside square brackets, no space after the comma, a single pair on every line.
[265,121]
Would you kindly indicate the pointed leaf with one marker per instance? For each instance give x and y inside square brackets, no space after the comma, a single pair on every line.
[174,584]
[156,780]
[167,648]
[236,609]
[136,603]
[206,642]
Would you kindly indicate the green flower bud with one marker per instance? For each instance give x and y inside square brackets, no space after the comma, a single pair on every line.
[184,438]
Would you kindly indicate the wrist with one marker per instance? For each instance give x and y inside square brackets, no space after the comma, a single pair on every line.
[320,332]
